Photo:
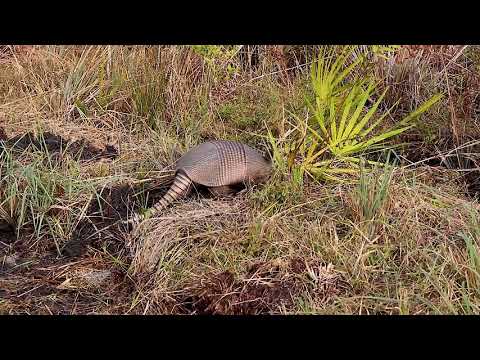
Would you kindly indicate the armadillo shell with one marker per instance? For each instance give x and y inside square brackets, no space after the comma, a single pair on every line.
[217,163]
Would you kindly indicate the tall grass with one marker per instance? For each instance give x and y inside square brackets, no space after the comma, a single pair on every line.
[41,193]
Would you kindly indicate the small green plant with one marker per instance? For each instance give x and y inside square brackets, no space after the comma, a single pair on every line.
[27,193]
[471,238]
[384,50]
[247,110]
[218,58]
[281,190]
[372,191]
[30,195]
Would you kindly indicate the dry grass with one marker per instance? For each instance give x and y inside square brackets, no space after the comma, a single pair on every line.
[284,247]
[417,72]
[319,256]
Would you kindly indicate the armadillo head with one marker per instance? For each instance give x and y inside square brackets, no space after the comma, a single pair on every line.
[259,169]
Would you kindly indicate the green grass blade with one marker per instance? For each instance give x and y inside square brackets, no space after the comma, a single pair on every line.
[421,109]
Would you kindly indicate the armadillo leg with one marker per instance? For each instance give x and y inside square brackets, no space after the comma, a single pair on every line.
[181,187]
[222,191]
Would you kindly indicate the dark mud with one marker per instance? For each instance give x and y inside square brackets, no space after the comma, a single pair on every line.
[467,161]
[36,283]
[226,294]
[105,213]
[55,144]
[37,286]
[7,233]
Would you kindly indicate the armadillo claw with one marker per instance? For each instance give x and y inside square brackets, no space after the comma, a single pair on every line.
[128,224]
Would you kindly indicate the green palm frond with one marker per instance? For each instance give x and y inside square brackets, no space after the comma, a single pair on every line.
[345,116]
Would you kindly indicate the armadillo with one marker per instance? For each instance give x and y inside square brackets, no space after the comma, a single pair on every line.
[218,165]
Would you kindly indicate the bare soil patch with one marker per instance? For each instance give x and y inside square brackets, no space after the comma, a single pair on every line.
[266,288]
[105,213]
[55,144]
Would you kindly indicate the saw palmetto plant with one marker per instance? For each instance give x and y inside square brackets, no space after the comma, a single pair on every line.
[345,120]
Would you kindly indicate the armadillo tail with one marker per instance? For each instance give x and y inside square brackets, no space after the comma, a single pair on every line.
[180,187]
